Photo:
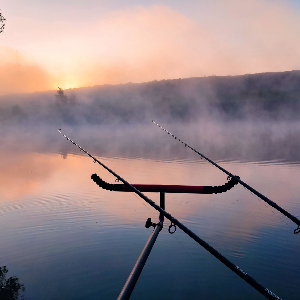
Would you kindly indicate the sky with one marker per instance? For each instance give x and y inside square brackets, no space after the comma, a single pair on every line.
[79,43]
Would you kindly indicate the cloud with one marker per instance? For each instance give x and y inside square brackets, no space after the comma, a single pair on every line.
[20,75]
[258,36]
[157,43]
[142,44]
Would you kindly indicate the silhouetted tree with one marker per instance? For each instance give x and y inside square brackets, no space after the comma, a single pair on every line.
[2,22]
[10,287]
[64,100]
[61,98]
[17,113]
[65,106]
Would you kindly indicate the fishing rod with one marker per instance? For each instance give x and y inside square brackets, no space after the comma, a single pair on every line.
[261,196]
[174,222]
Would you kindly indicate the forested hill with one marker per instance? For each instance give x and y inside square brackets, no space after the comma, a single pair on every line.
[251,96]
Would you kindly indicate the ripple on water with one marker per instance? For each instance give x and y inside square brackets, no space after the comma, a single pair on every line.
[102,232]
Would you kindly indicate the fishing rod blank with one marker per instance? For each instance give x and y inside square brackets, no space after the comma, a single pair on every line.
[261,196]
[264,291]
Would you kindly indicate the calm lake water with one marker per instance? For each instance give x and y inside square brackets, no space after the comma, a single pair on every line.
[66,238]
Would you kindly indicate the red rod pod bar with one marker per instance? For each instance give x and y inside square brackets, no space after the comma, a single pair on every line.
[132,279]
[166,188]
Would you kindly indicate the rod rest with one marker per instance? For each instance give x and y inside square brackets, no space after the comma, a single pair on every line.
[166,188]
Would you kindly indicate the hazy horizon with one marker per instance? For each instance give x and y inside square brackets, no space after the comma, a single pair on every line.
[74,89]
[74,44]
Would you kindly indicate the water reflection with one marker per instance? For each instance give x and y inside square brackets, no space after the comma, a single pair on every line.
[223,141]
[59,227]
[23,173]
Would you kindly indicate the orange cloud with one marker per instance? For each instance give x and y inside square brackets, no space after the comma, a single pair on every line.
[139,45]
[157,43]
[20,75]
[142,44]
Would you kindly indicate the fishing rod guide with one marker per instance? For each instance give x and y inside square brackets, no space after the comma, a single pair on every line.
[134,275]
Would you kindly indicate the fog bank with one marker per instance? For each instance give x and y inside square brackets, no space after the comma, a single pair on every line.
[266,96]
[248,118]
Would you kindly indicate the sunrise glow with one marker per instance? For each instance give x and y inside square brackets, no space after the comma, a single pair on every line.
[142,42]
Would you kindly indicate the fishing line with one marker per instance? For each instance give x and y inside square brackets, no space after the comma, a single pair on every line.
[142,201]
[183,247]
[270,208]
[237,270]
[261,196]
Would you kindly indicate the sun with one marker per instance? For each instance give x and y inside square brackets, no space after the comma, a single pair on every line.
[66,83]
[71,84]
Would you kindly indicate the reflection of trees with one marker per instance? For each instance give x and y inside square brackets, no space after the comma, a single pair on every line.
[10,287]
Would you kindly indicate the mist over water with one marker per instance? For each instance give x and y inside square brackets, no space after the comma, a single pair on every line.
[220,140]
[59,229]
[250,117]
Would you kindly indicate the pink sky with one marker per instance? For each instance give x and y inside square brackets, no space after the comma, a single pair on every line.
[84,43]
